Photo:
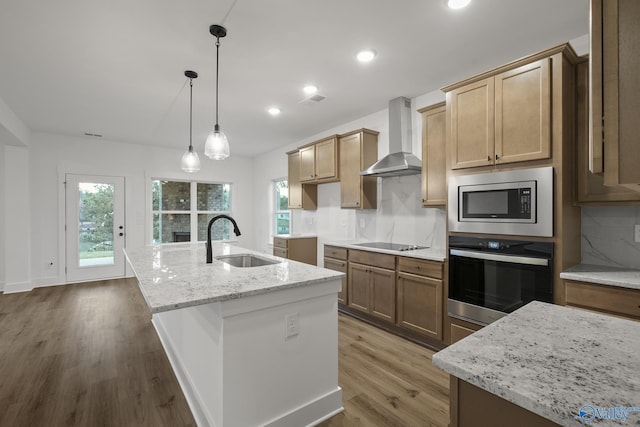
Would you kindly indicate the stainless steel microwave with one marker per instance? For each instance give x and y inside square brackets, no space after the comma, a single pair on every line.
[517,202]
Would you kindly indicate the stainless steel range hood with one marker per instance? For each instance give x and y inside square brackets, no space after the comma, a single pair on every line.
[399,161]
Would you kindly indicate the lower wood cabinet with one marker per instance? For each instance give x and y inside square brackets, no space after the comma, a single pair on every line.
[372,288]
[419,296]
[335,258]
[614,300]
[303,249]
[460,329]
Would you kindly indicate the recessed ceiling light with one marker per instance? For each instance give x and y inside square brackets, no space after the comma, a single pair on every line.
[366,55]
[274,111]
[457,4]
[310,89]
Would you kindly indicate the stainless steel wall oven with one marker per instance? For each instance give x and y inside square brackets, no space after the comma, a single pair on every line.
[489,278]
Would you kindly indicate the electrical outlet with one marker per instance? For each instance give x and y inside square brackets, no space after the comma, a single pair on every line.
[362,223]
[49,265]
[636,234]
[292,327]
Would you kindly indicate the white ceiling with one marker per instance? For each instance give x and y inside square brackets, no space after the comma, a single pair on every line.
[116,67]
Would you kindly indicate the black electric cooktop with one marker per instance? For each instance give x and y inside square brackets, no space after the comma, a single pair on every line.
[390,246]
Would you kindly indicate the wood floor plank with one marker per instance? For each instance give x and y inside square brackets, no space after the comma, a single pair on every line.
[87,355]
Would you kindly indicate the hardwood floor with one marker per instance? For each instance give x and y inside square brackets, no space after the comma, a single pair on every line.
[87,355]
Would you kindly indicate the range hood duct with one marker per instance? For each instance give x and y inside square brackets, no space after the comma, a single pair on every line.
[399,161]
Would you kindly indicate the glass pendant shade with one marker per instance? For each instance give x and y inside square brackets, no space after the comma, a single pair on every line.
[190,161]
[217,146]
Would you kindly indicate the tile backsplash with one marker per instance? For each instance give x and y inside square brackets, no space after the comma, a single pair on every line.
[400,217]
[608,236]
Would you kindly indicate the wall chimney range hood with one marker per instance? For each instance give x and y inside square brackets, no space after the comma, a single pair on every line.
[399,161]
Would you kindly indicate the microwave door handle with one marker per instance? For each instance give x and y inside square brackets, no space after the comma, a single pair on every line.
[503,258]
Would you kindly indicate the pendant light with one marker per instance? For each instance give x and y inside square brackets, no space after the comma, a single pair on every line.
[190,159]
[217,146]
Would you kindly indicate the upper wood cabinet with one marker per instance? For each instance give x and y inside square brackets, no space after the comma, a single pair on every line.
[503,118]
[434,162]
[615,37]
[590,188]
[300,196]
[358,150]
[319,161]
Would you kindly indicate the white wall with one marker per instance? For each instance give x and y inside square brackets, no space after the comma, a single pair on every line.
[51,156]
[404,222]
[3,241]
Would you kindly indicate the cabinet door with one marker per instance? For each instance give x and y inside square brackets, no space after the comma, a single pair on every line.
[523,113]
[420,304]
[434,162]
[341,266]
[383,293]
[307,164]
[300,196]
[590,187]
[471,110]
[358,287]
[326,159]
[350,179]
[281,252]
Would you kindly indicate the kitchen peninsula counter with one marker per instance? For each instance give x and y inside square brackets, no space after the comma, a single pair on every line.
[553,361]
[430,254]
[249,345]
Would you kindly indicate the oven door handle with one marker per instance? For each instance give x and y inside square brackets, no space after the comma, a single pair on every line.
[497,257]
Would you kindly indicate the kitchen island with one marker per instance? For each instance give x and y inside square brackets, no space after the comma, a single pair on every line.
[249,345]
[543,365]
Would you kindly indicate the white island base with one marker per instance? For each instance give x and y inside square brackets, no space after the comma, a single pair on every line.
[236,366]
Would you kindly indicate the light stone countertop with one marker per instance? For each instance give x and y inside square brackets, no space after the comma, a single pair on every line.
[295,236]
[176,276]
[552,360]
[430,254]
[611,276]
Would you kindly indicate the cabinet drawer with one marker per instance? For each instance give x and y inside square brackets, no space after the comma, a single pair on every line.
[280,242]
[420,267]
[280,252]
[335,252]
[372,258]
[609,299]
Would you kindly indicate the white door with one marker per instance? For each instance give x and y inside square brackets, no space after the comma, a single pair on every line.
[95,229]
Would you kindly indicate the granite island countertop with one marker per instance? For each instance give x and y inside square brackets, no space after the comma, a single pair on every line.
[176,276]
[430,254]
[602,275]
[552,360]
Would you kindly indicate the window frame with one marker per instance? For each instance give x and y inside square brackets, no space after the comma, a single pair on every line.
[275,211]
[193,211]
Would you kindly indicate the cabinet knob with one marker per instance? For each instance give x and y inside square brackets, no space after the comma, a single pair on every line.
[357,203]
[497,157]
[488,158]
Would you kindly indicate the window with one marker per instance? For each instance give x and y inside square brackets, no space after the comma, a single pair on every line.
[282,216]
[182,209]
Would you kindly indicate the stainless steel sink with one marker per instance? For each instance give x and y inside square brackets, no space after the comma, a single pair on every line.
[246,260]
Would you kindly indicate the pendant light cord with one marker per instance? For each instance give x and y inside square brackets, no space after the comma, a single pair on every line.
[217,66]
[190,113]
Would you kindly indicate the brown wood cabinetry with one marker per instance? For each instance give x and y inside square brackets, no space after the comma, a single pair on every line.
[301,196]
[614,64]
[303,249]
[617,301]
[335,258]
[460,329]
[358,150]
[434,162]
[319,161]
[371,284]
[503,118]
[419,296]
[590,187]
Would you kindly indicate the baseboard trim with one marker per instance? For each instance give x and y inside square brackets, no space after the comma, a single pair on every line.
[14,288]
[312,413]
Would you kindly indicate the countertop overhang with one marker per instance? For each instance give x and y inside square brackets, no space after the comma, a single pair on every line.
[176,276]
[603,275]
[552,360]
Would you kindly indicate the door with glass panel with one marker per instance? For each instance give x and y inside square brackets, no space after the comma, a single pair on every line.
[95,228]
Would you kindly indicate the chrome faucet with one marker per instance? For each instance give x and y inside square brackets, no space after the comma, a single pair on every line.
[236,230]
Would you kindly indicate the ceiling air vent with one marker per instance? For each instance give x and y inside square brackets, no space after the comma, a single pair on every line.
[313,99]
